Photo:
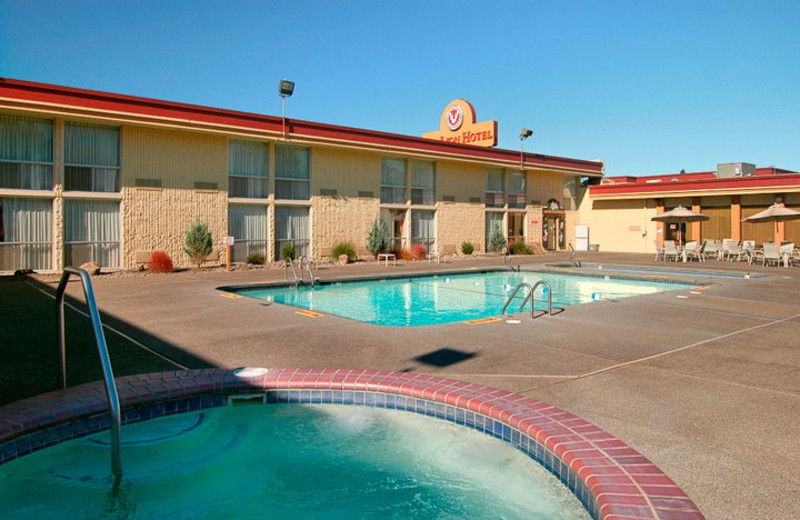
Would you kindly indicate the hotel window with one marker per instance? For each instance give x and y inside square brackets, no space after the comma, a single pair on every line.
[248,169]
[423,183]
[292,173]
[91,158]
[248,225]
[26,153]
[494,188]
[91,232]
[291,227]
[494,220]
[393,180]
[516,190]
[395,220]
[26,234]
[423,230]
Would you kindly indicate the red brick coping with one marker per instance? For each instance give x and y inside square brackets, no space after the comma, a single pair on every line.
[612,480]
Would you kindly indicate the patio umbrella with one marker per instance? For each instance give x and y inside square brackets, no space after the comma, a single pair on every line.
[678,215]
[774,213]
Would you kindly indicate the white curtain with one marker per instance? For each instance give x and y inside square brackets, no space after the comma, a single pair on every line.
[91,150]
[248,169]
[423,182]
[248,225]
[292,225]
[493,220]
[26,153]
[494,180]
[91,232]
[292,173]
[423,230]
[28,224]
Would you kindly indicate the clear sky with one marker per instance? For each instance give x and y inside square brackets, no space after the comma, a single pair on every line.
[649,86]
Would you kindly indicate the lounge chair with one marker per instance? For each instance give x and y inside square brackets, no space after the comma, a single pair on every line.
[711,249]
[659,251]
[670,251]
[786,251]
[749,251]
[444,253]
[771,254]
[730,249]
[694,252]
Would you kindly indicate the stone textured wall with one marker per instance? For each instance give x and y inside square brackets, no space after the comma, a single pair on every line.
[158,219]
[341,219]
[458,222]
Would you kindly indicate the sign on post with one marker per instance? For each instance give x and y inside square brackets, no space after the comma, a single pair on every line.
[228,243]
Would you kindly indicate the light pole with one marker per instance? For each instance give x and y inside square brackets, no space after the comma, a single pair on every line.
[523,134]
[285,89]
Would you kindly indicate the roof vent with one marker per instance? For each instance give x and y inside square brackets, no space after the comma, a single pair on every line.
[737,169]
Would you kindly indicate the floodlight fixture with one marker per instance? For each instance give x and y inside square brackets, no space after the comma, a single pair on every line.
[525,133]
[286,88]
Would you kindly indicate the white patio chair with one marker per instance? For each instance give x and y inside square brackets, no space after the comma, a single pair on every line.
[659,251]
[771,254]
[670,250]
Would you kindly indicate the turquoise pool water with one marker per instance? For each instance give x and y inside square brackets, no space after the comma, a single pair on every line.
[287,462]
[433,300]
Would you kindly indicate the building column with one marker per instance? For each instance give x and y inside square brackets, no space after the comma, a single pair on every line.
[736,218]
[780,227]
[660,225]
[696,229]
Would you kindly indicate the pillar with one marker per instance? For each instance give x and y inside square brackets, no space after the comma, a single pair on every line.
[696,228]
[736,218]
[660,225]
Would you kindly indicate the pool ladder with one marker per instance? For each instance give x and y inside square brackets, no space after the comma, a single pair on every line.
[105,361]
[531,296]
[303,263]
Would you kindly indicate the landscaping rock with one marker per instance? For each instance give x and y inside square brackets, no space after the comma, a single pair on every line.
[343,259]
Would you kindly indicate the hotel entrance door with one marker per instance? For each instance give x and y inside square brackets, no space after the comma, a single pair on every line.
[553,237]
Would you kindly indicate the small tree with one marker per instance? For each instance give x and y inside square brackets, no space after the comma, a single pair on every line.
[198,242]
[378,238]
[497,242]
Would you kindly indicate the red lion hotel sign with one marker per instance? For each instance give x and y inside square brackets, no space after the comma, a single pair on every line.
[458,126]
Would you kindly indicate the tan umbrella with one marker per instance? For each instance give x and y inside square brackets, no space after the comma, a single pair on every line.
[774,213]
[678,215]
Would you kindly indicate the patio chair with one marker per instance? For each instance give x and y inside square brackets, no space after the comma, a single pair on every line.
[444,253]
[749,251]
[730,249]
[786,251]
[659,251]
[695,252]
[670,250]
[711,249]
[771,254]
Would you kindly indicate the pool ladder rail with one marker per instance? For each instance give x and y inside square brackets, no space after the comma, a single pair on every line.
[531,296]
[573,259]
[105,361]
[305,265]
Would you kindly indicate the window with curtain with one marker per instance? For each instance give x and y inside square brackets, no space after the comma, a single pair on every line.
[423,229]
[248,169]
[493,220]
[247,224]
[292,173]
[91,232]
[423,182]
[516,190]
[395,220]
[26,234]
[26,153]
[292,227]
[495,196]
[91,158]
[393,180]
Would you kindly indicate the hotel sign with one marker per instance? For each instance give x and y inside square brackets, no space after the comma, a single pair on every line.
[458,125]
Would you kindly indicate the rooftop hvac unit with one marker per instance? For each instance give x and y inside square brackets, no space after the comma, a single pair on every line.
[737,169]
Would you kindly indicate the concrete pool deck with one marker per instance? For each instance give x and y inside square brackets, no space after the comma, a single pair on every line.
[706,386]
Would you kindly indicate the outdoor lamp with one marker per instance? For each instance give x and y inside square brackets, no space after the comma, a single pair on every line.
[286,88]
[525,133]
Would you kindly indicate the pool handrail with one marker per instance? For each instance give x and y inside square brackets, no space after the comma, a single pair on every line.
[530,297]
[105,360]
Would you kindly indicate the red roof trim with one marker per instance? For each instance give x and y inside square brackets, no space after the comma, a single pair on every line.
[91,99]
[715,184]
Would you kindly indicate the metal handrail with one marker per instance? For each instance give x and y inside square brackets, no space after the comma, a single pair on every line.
[289,263]
[572,257]
[531,296]
[305,261]
[105,361]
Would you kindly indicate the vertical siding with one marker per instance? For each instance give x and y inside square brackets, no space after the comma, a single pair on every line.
[460,180]
[347,171]
[545,185]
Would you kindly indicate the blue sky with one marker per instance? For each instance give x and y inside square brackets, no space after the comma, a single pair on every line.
[649,86]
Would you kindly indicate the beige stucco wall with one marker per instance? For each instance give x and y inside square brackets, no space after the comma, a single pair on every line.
[617,225]
[158,218]
[458,222]
[341,219]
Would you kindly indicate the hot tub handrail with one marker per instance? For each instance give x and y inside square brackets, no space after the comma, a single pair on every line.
[105,361]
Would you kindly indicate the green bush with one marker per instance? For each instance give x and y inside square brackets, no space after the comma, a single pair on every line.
[467,248]
[198,242]
[520,248]
[255,257]
[344,248]
[497,242]
[378,238]
[288,251]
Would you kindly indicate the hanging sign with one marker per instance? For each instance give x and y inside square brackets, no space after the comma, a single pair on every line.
[458,125]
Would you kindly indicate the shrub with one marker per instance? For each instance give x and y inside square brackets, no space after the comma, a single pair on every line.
[344,248]
[418,252]
[404,254]
[288,252]
[160,262]
[198,242]
[497,242]
[378,238]
[467,248]
[256,257]
[520,248]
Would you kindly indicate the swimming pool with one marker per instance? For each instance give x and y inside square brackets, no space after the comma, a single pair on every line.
[439,299]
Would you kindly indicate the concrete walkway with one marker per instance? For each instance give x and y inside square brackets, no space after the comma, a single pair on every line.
[705,383]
